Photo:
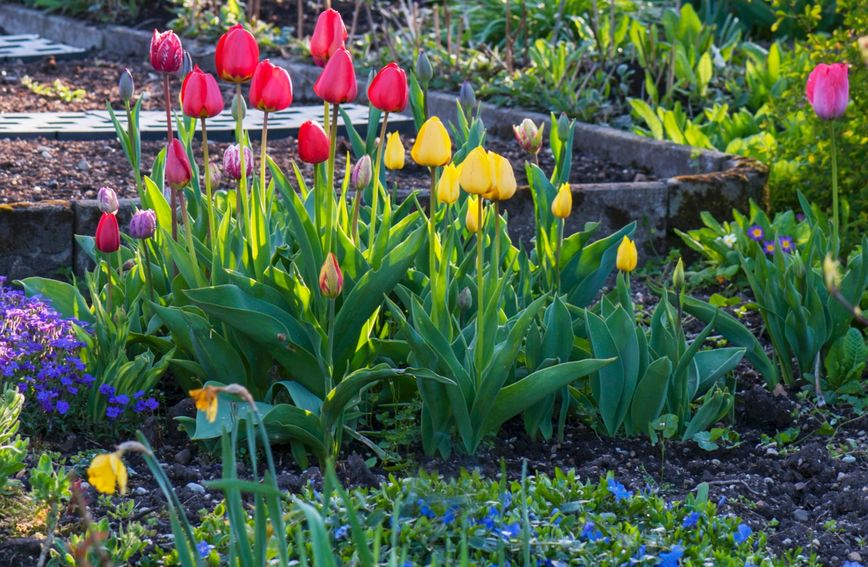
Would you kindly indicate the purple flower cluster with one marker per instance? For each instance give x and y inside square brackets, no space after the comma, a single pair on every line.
[119,403]
[39,350]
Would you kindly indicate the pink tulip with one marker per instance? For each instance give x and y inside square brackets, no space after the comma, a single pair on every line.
[828,90]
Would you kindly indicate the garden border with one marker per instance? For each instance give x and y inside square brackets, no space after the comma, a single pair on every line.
[690,180]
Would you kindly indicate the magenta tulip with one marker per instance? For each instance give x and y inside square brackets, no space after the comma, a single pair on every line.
[828,90]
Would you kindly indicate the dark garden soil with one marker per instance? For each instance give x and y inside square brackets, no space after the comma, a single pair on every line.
[39,169]
[811,493]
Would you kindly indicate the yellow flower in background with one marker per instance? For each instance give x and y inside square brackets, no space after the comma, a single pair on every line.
[503,184]
[393,158]
[628,257]
[433,146]
[206,400]
[106,472]
[477,175]
[562,205]
[447,187]
[472,218]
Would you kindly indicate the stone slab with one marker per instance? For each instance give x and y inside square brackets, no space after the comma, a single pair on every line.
[28,47]
[36,239]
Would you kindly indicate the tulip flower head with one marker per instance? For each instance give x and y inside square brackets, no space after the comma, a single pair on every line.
[337,82]
[477,175]
[271,87]
[107,473]
[471,220]
[433,146]
[108,200]
[424,71]
[186,65]
[200,95]
[166,53]
[529,136]
[503,184]
[313,143]
[143,225]
[562,205]
[678,274]
[206,401]
[328,36]
[126,85]
[627,256]
[448,186]
[232,161]
[237,55]
[362,172]
[467,98]
[331,279]
[388,91]
[828,90]
[393,156]
[178,170]
[108,234]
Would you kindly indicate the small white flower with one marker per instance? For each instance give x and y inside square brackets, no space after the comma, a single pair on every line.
[729,240]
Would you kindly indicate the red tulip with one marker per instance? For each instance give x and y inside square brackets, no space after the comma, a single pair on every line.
[178,170]
[828,90]
[271,88]
[388,90]
[313,144]
[167,55]
[328,36]
[237,55]
[331,279]
[337,82]
[200,95]
[108,235]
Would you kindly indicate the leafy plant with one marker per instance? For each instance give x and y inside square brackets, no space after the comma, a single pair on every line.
[13,449]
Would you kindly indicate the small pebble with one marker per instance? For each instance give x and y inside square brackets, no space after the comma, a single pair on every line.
[800,515]
[715,462]
[45,153]
[841,476]
[772,452]
[183,456]
[854,556]
[768,480]
[800,486]
[82,165]
[141,490]
[194,487]
[849,459]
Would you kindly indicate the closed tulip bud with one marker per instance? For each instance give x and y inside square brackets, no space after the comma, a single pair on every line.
[126,85]
[331,279]
[393,156]
[232,161]
[186,65]
[433,147]
[678,274]
[465,299]
[166,53]
[337,82]
[178,170]
[237,55]
[562,205]
[863,48]
[328,36]
[239,107]
[503,184]
[313,144]
[467,98]
[424,71]
[471,220]
[388,91]
[361,173]
[271,87]
[828,90]
[529,137]
[448,186]
[477,175]
[143,224]
[627,257]
[108,200]
[564,126]
[108,235]
[200,95]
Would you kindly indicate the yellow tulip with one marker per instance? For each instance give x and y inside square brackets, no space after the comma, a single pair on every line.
[476,172]
[206,400]
[503,184]
[433,146]
[472,218]
[107,471]
[562,205]
[393,158]
[627,255]
[447,187]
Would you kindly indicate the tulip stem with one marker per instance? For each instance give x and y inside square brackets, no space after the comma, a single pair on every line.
[375,195]
[262,160]
[108,292]
[835,220]
[558,244]
[480,233]
[330,348]
[330,197]
[133,138]
[170,136]
[432,236]
[495,262]
[148,274]
[243,198]
[212,225]
[356,204]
